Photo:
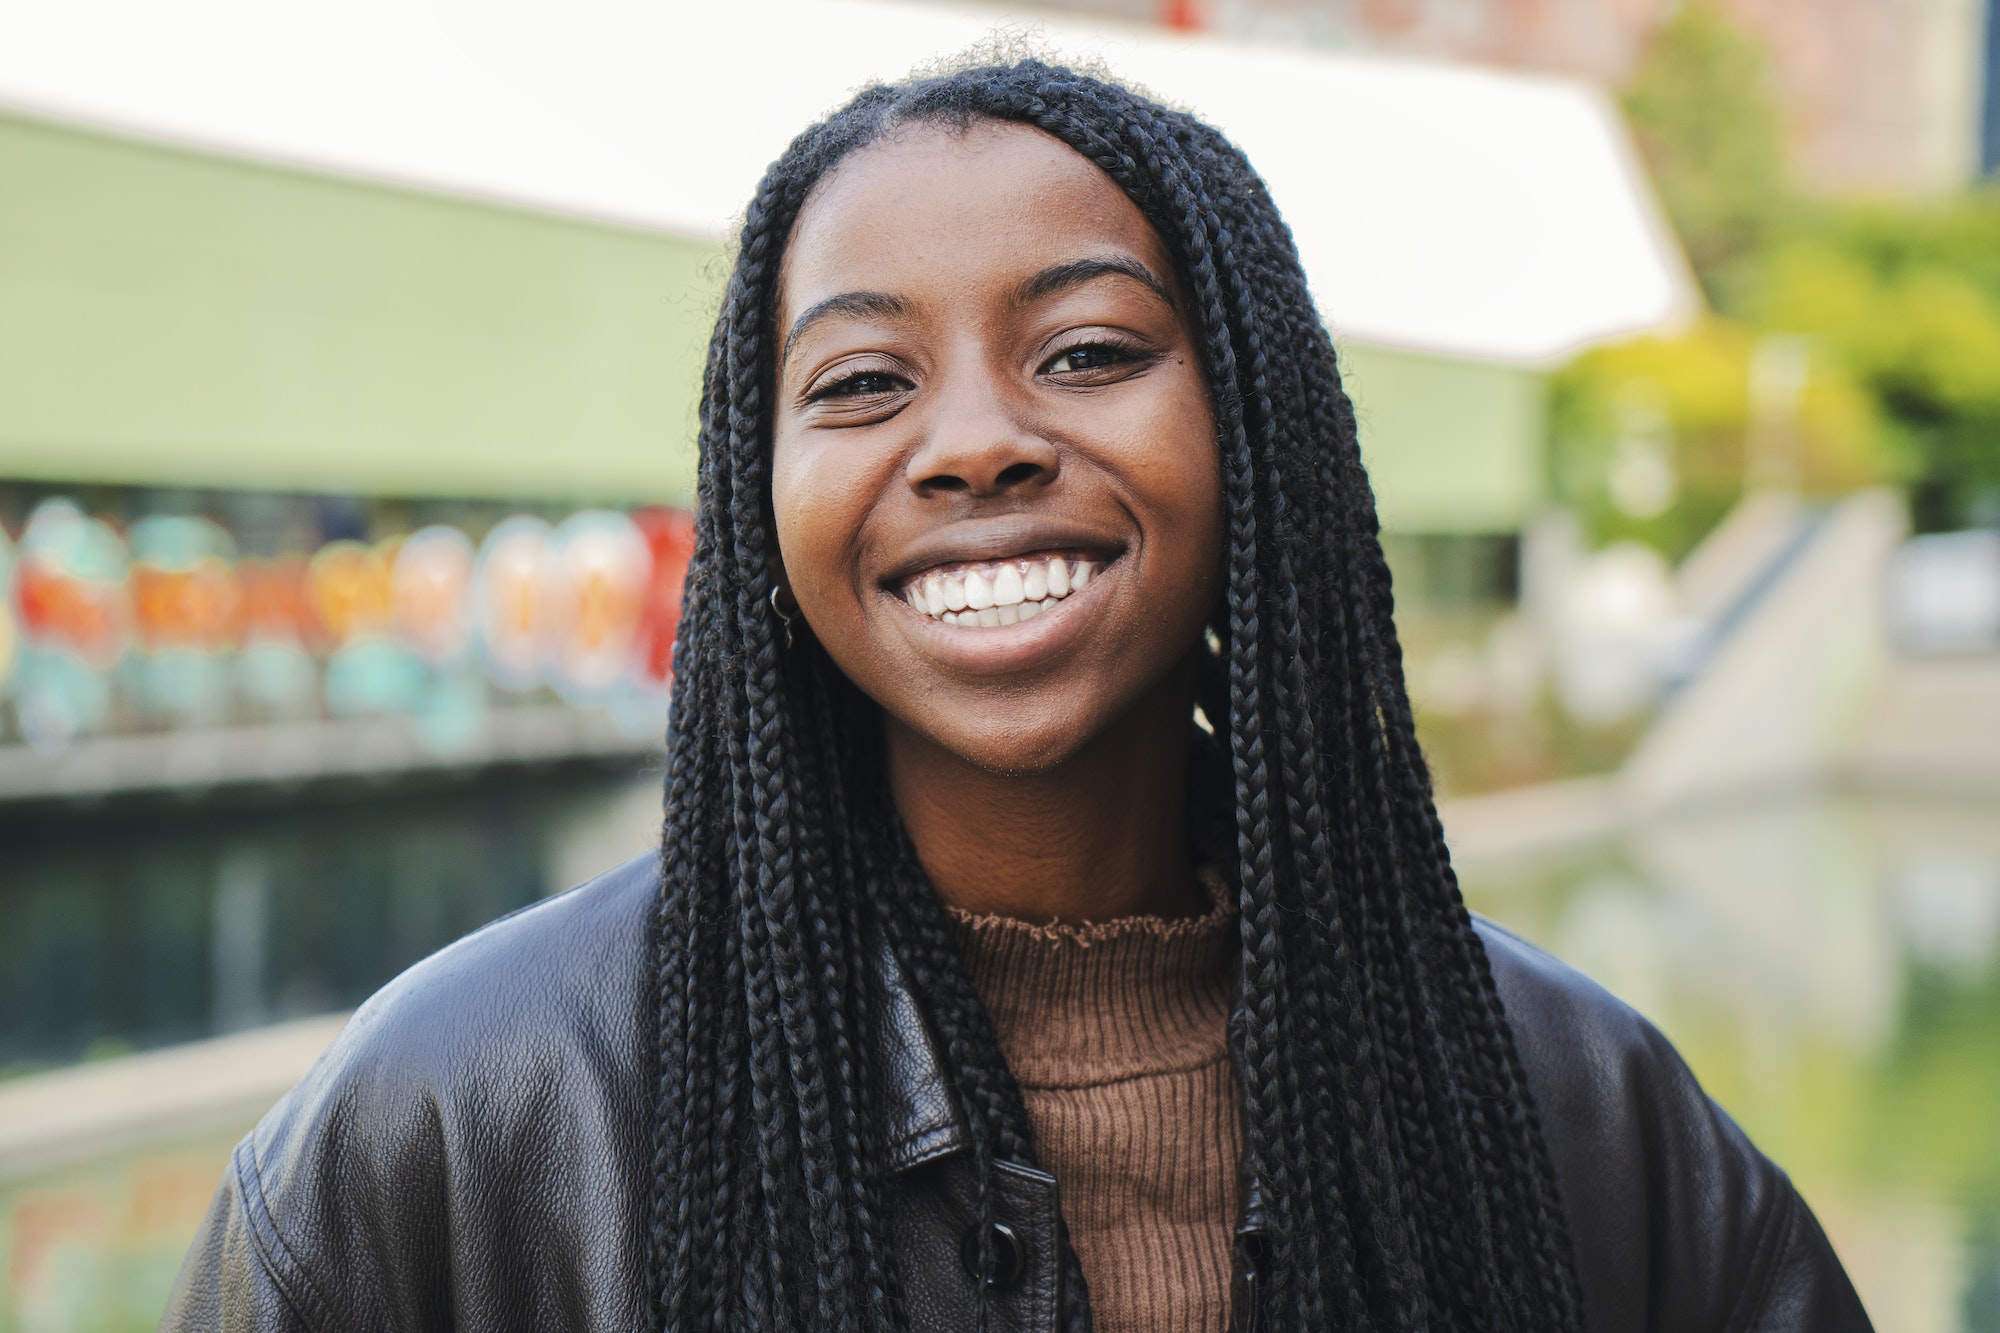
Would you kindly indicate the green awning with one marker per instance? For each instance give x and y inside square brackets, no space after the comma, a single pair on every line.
[171,318]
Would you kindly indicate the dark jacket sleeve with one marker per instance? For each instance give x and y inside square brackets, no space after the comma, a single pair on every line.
[324,1218]
[235,1279]
[1679,1224]
[472,1151]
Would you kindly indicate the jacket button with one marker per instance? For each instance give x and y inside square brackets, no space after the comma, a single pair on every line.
[1010,1258]
[1250,1257]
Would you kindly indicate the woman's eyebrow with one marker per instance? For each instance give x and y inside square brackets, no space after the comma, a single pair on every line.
[1062,277]
[880,305]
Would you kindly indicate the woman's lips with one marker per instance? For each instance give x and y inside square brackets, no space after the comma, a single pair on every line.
[991,594]
[980,641]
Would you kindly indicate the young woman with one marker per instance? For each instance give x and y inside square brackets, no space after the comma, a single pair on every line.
[1053,928]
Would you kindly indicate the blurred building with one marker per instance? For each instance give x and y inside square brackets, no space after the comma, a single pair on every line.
[197,319]
[441,251]
[1878,94]
[346,351]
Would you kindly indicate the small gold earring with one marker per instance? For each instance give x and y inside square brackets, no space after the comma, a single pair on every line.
[779,612]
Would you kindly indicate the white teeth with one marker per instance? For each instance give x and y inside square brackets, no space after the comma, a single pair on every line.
[1004,594]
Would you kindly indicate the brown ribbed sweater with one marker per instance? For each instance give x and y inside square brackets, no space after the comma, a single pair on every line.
[1117,1034]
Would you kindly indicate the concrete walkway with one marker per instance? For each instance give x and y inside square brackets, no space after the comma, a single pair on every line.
[289,752]
[48,1121]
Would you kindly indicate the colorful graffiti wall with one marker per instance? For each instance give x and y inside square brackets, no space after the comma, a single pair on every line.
[111,624]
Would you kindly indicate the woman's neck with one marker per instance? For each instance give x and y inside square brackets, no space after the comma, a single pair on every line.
[1101,835]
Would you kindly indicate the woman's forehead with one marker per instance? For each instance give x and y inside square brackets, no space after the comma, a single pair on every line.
[935,204]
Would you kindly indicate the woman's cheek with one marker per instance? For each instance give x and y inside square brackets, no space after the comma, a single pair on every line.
[799,502]
[821,496]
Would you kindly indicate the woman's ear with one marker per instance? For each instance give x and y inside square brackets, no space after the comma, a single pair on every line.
[781,588]
[783,604]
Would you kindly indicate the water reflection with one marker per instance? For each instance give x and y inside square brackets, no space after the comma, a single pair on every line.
[1830,966]
[131,927]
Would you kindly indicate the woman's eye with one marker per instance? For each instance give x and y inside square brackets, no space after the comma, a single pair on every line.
[861,384]
[1089,356]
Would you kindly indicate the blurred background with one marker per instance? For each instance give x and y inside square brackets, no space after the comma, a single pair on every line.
[348,361]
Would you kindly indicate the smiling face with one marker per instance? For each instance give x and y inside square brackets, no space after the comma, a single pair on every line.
[994,471]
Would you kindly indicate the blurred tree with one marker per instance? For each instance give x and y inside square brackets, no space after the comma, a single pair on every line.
[1709,131]
[1906,299]
[1652,438]
[1852,342]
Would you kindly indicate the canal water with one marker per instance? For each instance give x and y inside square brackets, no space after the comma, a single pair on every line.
[1829,964]
[127,928]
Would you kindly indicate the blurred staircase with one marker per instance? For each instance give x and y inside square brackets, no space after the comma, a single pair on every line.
[1792,682]
[1789,663]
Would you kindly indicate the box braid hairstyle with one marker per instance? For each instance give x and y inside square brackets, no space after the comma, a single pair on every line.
[1388,1123]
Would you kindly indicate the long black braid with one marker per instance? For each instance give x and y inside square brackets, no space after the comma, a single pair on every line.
[1387,1116]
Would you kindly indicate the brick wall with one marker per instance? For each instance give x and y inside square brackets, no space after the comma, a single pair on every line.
[1878,95]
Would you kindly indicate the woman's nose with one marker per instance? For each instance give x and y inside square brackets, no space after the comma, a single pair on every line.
[975,446]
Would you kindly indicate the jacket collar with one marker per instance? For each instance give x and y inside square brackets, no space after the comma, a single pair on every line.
[922,1115]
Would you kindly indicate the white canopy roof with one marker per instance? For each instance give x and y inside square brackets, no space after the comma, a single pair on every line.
[1438,208]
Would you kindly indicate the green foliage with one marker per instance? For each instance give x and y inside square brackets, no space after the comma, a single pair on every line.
[1886,313]
[1709,130]
[1684,404]
[1906,300]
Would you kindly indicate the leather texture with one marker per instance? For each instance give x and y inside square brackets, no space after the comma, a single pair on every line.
[473,1151]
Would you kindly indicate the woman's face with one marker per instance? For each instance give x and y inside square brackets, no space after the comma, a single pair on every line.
[995,478]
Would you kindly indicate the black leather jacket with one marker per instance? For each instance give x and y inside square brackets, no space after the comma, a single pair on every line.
[474,1150]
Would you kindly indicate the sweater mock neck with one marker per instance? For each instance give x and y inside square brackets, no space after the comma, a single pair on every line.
[1077,1006]
[1117,1033]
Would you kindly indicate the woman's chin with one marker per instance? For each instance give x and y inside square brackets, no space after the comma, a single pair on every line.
[1001,744]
